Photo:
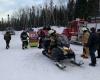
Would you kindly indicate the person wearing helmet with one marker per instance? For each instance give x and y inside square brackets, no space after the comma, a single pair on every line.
[52,40]
[53,37]
[53,50]
[24,37]
[85,38]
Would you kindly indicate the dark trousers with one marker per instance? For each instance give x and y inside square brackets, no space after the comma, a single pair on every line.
[92,55]
[40,42]
[24,44]
[7,44]
[98,51]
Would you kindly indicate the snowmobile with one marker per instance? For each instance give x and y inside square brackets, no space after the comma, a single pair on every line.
[61,52]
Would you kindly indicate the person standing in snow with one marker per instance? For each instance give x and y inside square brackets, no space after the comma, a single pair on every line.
[24,37]
[98,46]
[92,43]
[85,38]
[7,38]
[41,37]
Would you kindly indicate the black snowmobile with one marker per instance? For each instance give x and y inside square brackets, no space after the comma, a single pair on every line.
[61,52]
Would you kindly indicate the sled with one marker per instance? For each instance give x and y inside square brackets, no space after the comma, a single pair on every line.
[77,63]
[33,39]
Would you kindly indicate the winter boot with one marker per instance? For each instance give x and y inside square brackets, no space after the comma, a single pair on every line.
[91,64]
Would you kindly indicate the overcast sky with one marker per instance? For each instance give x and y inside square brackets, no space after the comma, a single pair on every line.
[10,6]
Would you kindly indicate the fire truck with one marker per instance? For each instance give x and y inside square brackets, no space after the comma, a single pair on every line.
[74,30]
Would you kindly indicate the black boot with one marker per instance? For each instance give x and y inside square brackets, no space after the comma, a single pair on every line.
[92,64]
[98,57]
[40,47]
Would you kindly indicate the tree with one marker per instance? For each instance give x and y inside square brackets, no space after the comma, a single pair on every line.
[81,9]
[93,7]
[70,8]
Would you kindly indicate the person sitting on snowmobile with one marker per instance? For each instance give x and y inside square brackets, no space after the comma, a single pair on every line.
[56,49]
[24,39]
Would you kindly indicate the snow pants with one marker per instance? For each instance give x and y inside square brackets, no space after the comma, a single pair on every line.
[85,51]
[24,44]
[57,54]
[7,44]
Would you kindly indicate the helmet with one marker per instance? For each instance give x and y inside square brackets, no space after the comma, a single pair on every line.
[51,32]
[84,29]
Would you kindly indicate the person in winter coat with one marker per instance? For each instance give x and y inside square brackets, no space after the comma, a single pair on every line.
[41,37]
[53,38]
[24,37]
[85,38]
[92,43]
[98,46]
[7,38]
[53,49]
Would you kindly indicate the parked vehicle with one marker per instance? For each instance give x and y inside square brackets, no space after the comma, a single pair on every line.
[74,30]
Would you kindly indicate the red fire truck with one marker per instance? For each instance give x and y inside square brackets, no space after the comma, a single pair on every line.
[74,30]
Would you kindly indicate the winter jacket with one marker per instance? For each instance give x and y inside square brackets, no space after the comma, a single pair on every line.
[85,37]
[41,33]
[24,36]
[98,39]
[7,36]
[92,42]
[59,40]
[53,40]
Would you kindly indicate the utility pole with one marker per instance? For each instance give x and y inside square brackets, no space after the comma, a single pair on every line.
[8,21]
[2,21]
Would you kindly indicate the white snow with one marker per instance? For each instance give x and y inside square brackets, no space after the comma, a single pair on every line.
[30,64]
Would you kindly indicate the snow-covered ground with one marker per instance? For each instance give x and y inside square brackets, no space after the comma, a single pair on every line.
[30,64]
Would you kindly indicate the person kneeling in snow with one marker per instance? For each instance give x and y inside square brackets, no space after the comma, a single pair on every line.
[24,39]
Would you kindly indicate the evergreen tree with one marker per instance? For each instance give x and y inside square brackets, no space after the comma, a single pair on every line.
[81,9]
[70,8]
[93,7]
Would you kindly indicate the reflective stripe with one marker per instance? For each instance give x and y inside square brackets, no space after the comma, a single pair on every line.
[24,40]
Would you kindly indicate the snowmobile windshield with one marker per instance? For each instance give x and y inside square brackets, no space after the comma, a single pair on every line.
[63,41]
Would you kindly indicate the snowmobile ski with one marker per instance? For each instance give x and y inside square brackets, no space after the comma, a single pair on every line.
[77,63]
[59,65]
